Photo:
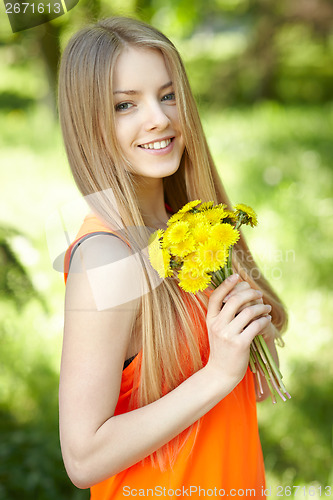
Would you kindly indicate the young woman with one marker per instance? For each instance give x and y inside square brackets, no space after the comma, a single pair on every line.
[156,397]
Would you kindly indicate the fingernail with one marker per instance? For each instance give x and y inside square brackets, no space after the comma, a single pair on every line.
[259,293]
[269,317]
[226,297]
[233,277]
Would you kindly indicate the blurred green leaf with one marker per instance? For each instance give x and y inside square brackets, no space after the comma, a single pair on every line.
[15,283]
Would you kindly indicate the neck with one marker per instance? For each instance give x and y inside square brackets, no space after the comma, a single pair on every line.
[151,201]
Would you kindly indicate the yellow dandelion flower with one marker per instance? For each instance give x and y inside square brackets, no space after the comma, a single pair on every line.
[221,206]
[212,255]
[190,264]
[192,219]
[167,271]
[214,215]
[176,233]
[155,241]
[201,231]
[159,258]
[158,234]
[202,217]
[206,206]
[174,218]
[191,260]
[246,214]
[225,234]
[193,280]
[229,214]
[189,206]
[183,248]
[223,213]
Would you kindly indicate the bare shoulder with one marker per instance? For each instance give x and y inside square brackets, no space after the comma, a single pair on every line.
[104,275]
[101,304]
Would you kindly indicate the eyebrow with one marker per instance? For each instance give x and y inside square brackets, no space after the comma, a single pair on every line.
[136,92]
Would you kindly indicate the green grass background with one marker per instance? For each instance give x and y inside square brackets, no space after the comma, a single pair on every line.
[276,158]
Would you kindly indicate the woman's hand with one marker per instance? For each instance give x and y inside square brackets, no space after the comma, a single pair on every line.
[236,314]
[269,332]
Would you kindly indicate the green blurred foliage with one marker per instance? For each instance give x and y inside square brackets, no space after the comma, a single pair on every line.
[308,430]
[16,285]
[286,153]
[247,49]
[31,464]
[262,74]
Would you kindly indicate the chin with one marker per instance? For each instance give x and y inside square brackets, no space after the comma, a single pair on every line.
[156,172]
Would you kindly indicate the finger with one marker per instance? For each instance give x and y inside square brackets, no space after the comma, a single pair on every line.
[237,301]
[249,314]
[242,285]
[255,328]
[216,298]
[252,303]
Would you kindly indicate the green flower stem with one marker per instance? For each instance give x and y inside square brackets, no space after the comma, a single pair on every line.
[261,365]
[262,357]
[263,370]
[221,275]
[260,350]
[270,371]
[261,391]
[254,370]
[269,356]
[228,267]
[226,271]
[252,362]
[272,364]
[215,280]
[259,361]
[275,385]
[217,277]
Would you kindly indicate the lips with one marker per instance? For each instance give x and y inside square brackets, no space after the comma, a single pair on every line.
[156,145]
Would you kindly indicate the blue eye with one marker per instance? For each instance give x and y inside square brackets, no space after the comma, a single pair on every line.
[169,97]
[123,106]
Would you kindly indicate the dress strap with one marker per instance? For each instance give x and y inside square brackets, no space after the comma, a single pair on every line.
[91,226]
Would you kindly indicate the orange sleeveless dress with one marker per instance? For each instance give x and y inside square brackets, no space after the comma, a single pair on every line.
[222,456]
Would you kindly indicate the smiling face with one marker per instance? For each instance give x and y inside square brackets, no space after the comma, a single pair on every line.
[147,123]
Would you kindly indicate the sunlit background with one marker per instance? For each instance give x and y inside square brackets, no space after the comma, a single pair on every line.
[262,74]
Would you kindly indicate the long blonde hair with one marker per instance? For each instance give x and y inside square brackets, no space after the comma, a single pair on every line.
[169,320]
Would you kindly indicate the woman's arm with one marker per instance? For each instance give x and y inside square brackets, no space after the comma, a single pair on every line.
[95,443]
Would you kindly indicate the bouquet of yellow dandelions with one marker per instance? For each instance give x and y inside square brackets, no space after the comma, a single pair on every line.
[197,248]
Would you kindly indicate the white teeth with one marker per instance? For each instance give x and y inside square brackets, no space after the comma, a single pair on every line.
[157,145]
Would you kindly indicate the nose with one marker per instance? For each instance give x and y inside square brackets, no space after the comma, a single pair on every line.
[155,117]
